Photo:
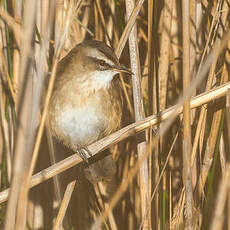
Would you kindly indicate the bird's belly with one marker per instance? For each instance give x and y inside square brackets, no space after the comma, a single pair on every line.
[80,125]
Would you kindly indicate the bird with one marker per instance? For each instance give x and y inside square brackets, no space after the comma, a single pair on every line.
[86,103]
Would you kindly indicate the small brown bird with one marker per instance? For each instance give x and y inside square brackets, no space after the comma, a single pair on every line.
[86,103]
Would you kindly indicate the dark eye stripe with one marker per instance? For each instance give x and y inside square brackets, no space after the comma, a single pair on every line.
[103,63]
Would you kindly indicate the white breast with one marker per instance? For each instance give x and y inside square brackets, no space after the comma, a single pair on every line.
[82,125]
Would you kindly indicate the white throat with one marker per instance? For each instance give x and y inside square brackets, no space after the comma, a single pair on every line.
[101,79]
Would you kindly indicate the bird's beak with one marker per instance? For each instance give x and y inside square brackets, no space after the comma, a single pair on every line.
[122,69]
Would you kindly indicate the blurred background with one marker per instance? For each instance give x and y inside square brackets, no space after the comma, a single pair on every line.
[173,175]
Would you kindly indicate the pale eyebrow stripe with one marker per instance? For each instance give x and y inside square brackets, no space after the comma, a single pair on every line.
[98,55]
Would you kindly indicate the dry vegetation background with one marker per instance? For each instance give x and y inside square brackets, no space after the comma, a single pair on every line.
[178,177]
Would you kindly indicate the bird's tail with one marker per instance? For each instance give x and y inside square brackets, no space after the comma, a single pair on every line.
[102,170]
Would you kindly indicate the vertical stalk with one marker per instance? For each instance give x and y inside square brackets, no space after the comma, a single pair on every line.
[139,112]
[153,158]
[164,53]
[186,115]
[193,69]
[16,208]
[162,85]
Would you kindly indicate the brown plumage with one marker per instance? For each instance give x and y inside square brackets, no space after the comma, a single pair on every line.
[86,103]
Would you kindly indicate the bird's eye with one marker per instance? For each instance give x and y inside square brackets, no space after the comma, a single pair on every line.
[102,63]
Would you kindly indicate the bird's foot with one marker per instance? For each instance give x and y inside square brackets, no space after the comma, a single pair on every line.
[84,153]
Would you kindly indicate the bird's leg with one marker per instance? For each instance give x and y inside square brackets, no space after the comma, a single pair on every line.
[84,153]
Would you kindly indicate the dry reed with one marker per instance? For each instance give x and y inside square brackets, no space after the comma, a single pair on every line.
[178,96]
